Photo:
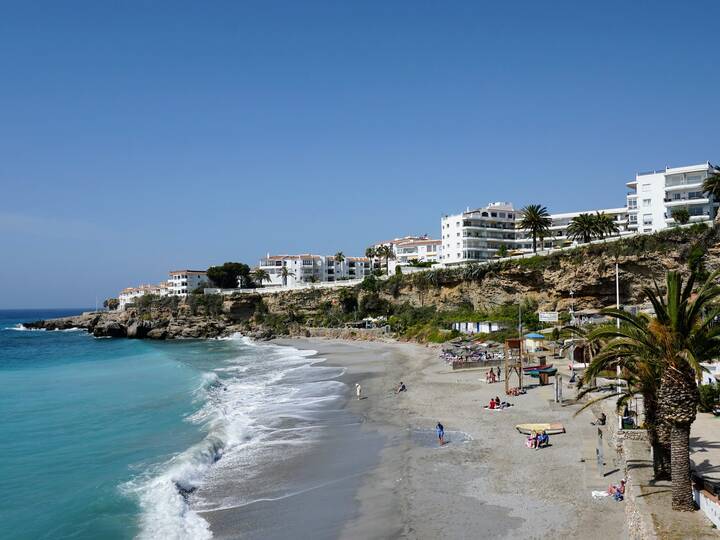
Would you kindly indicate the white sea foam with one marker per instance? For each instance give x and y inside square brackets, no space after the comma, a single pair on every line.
[20,328]
[246,408]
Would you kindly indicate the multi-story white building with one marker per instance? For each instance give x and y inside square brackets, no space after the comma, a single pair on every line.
[183,282]
[655,195]
[476,235]
[560,222]
[308,268]
[129,294]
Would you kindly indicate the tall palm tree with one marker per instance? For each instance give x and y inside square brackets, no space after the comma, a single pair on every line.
[582,228]
[285,274]
[680,335]
[371,253]
[711,186]
[386,252]
[535,219]
[260,275]
[605,225]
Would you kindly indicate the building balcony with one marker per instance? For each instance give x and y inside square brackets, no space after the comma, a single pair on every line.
[681,185]
[673,203]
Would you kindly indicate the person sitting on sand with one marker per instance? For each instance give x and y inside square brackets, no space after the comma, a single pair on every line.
[543,439]
[497,402]
[440,430]
[401,388]
[617,491]
[491,405]
[532,440]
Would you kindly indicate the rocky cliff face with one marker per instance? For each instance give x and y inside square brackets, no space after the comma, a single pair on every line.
[589,273]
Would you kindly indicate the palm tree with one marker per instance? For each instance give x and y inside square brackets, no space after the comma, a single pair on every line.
[676,340]
[260,275]
[386,252]
[711,186]
[582,228]
[681,215]
[285,274]
[605,225]
[371,253]
[536,220]
[641,375]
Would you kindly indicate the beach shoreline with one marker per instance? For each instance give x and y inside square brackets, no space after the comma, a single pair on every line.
[485,483]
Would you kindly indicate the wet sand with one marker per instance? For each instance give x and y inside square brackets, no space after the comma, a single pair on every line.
[488,486]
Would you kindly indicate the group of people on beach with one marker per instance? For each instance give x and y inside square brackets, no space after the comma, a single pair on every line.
[492,375]
[497,404]
[538,439]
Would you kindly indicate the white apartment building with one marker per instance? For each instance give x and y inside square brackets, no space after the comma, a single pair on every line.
[654,195]
[558,230]
[476,235]
[309,268]
[183,282]
[129,294]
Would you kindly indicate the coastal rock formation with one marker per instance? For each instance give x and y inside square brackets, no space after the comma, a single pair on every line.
[588,273]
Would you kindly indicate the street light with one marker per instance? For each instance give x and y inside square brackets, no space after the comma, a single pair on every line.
[572,307]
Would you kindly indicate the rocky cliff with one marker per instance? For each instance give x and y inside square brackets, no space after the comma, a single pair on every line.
[588,272]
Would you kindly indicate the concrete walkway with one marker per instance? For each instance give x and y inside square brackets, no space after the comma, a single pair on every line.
[705,446]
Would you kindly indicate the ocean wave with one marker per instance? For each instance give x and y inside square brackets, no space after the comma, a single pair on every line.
[245,408]
[20,328]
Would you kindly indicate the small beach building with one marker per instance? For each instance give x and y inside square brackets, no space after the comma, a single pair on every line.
[534,342]
[485,327]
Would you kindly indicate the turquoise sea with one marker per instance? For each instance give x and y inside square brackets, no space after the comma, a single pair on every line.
[105,438]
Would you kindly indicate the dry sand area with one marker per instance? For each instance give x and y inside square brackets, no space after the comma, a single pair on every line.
[485,483]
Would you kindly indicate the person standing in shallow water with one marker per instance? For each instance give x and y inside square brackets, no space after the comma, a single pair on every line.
[440,433]
[358,391]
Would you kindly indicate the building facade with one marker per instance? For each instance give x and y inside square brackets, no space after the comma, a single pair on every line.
[655,195]
[183,282]
[477,235]
[293,270]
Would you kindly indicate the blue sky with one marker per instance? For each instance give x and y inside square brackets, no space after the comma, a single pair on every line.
[138,137]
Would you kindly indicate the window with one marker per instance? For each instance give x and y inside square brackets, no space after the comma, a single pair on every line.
[645,188]
[647,219]
[646,203]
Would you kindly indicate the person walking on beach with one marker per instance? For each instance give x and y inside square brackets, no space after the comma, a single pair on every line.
[440,433]
[358,391]
[498,373]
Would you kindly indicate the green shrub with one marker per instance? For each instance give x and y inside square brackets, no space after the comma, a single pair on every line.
[709,397]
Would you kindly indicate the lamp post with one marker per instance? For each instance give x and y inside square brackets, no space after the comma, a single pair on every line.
[618,371]
[572,307]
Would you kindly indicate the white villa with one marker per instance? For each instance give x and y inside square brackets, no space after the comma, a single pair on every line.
[410,248]
[655,195]
[309,268]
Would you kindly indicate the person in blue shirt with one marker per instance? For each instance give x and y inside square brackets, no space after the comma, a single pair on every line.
[440,433]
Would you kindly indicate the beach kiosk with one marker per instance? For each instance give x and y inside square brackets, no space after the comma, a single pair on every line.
[534,342]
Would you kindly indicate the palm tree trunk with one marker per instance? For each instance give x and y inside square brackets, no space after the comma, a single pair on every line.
[682,495]
[659,438]
[534,243]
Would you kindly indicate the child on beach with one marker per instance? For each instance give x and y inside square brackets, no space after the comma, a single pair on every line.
[440,430]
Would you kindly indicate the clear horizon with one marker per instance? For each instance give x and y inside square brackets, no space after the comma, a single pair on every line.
[142,138]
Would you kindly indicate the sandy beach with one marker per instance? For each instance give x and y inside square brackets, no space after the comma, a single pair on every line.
[485,483]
